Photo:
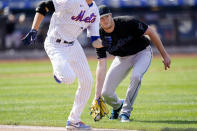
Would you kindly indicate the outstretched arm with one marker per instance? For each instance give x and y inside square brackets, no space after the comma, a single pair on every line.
[98,107]
[42,9]
[157,42]
[100,76]
[37,21]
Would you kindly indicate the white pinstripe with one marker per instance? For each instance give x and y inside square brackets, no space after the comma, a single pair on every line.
[70,62]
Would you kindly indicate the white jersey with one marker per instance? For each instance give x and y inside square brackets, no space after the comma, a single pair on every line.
[71,17]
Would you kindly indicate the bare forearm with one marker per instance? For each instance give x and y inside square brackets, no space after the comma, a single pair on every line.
[37,21]
[100,77]
[42,9]
[157,42]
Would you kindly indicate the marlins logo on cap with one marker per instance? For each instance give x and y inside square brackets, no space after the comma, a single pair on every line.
[104,10]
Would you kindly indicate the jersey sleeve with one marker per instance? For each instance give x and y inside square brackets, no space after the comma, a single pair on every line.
[137,27]
[101,53]
[45,4]
[60,4]
[93,29]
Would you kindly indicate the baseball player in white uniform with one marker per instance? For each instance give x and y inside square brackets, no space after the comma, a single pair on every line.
[69,19]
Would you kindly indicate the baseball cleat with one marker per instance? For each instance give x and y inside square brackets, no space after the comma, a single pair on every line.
[124,118]
[77,126]
[115,113]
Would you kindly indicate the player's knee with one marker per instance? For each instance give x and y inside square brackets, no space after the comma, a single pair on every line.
[87,80]
[136,77]
[66,76]
[69,79]
[106,94]
[90,81]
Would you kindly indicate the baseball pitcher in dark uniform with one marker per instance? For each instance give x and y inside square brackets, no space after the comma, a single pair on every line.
[124,37]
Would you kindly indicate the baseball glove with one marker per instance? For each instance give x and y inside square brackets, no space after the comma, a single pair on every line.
[98,109]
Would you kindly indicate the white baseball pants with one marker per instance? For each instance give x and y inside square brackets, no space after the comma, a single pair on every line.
[69,62]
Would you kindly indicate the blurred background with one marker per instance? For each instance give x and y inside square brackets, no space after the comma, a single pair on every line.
[174,20]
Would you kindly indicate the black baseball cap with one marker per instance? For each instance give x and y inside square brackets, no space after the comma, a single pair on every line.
[104,10]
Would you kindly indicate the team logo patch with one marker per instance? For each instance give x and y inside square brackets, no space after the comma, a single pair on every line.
[80,17]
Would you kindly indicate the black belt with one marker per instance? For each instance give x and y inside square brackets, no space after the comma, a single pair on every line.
[65,42]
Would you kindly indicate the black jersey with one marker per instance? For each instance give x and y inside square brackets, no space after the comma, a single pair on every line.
[127,38]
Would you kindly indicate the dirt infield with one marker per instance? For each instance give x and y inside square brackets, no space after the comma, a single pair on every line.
[39,128]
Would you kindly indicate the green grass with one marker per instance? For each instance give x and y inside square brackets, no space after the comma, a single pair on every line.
[167,100]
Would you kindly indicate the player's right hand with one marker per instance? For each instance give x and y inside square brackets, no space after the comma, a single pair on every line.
[30,37]
[97,43]
[98,109]
[166,62]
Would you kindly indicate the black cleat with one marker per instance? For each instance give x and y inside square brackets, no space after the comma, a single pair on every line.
[115,113]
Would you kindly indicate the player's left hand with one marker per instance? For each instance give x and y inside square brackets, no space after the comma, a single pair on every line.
[30,37]
[98,109]
[166,62]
